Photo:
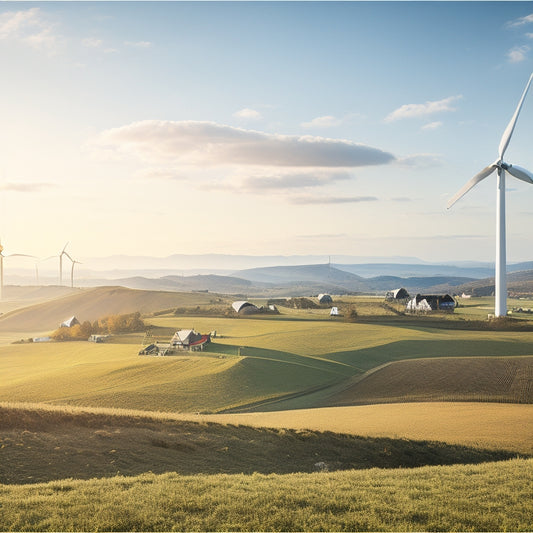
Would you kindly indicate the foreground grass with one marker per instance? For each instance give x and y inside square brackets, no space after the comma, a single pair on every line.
[486,497]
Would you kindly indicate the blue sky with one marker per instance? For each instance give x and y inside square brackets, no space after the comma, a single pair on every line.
[262,128]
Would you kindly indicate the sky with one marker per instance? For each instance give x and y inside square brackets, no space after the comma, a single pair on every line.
[262,128]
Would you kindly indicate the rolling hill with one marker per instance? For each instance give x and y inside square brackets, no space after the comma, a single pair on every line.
[91,304]
[519,283]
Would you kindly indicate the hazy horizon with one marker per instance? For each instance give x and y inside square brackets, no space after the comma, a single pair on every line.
[272,128]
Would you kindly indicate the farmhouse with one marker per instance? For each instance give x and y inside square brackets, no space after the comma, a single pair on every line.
[325,299]
[69,322]
[431,302]
[244,308]
[397,294]
[188,339]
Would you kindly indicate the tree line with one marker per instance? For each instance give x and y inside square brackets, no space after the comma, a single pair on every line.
[112,324]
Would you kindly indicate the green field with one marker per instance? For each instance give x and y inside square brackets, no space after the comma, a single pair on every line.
[211,412]
[255,363]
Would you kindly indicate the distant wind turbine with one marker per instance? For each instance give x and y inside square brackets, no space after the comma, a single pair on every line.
[74,262]
[2,257]
[61,263]
[500,304]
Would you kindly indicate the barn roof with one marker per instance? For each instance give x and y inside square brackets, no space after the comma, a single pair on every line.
[238,306]
[183,334]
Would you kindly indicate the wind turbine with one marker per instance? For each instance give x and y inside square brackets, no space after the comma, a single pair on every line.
[61,263]
[74,262]
[500,304]
[2,256]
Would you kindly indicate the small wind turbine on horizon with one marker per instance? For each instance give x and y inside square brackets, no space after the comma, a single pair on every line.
[2,256]
[61,263]
[500,303]
[74,262]
[60,255]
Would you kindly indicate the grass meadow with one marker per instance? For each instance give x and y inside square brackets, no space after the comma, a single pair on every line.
[286,422]
[484,497]
[285,362]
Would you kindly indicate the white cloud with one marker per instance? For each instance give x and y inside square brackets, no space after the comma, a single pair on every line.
[327,121]
[422,110]
[209,143]
[330,121]
[138,44]
[310,200]
[29,27]
[294,180]
[518,54]
[420,160]
[248,114]
[529,35]
[91,42]
[431,126]
[528,19]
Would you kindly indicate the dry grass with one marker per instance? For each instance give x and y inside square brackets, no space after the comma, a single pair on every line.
[91,304]
[43,445]
[486,425]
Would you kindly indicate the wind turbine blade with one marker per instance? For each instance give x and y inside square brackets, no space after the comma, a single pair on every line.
[19,255]
[66,253]
[487,171]
[520,173]
[64,247]
[506,137]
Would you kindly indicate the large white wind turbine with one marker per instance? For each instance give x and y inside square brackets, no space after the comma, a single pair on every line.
[500,305]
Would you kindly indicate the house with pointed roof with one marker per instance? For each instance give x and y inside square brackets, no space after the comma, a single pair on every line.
[188,339]
[69,322]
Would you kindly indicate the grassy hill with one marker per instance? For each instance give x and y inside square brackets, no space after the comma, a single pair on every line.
[91,304]
[253,464]
[282,362]
[40,445]
[255,478]
[518,284]
[17,297]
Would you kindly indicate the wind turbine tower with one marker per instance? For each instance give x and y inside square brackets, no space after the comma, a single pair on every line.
[61,263]
[500,304]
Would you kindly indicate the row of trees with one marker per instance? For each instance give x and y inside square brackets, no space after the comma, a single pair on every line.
[127,323]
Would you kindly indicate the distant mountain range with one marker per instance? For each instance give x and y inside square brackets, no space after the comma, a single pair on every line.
[302,279]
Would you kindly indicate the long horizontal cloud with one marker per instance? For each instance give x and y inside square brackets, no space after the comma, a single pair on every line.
[294,180]
[422,110]
[332,199]
[209,143]
[24,187]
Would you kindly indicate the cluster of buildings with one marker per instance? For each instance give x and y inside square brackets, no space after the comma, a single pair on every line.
[422,303]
